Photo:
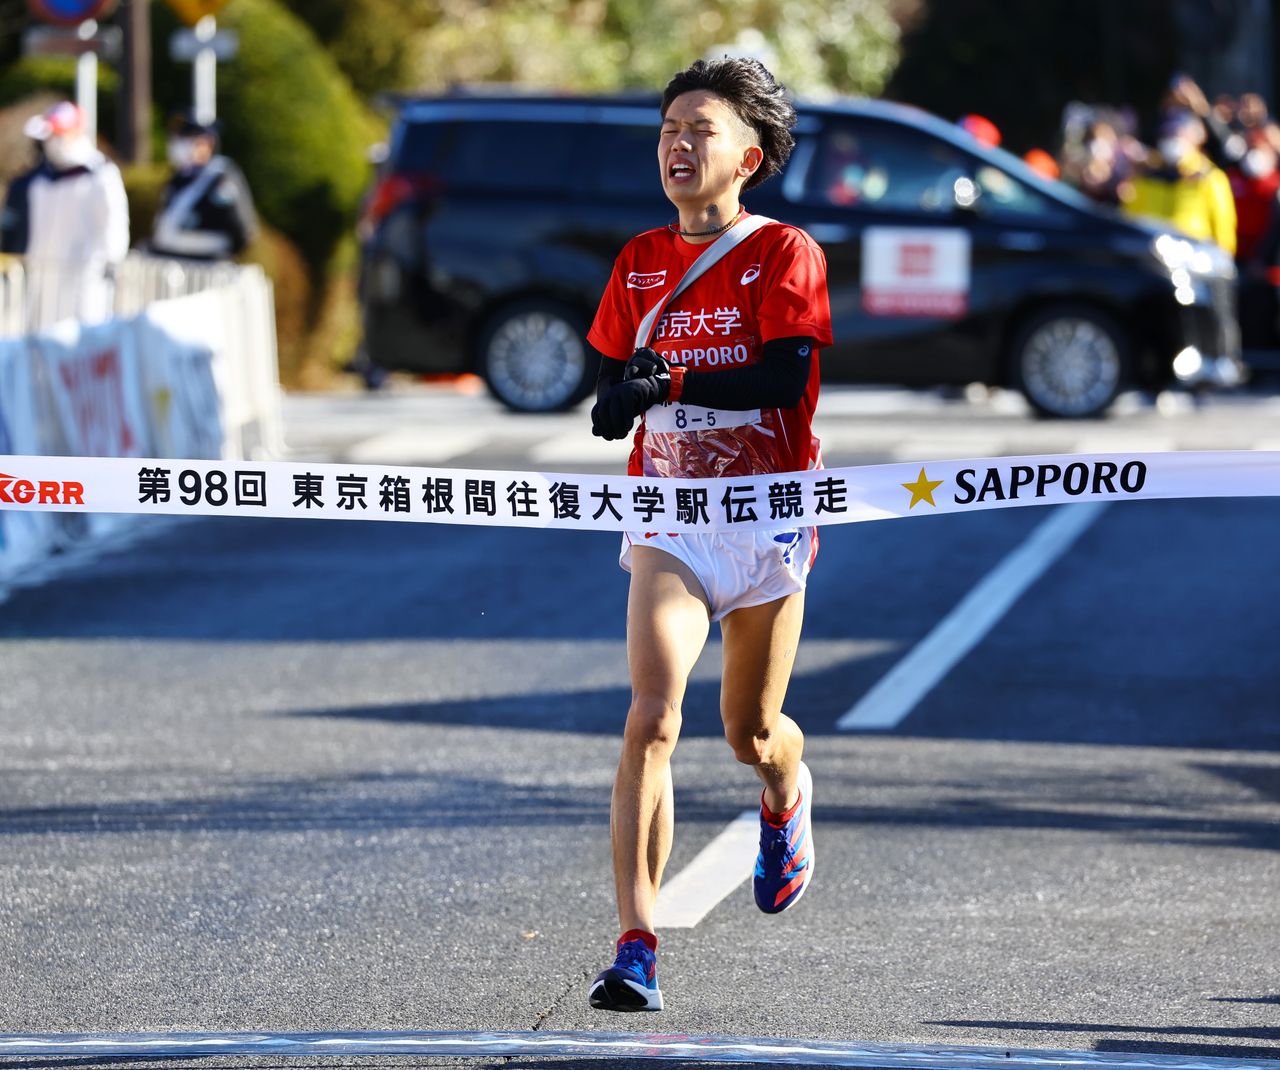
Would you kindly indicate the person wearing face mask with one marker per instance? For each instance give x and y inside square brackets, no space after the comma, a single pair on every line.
[1181,186]
[206,209]
[1254,181]
[78,222]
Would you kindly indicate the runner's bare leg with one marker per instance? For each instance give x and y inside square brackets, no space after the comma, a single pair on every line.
[759,651]
[667,626]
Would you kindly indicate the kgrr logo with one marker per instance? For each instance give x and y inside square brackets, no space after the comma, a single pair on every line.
[16,491]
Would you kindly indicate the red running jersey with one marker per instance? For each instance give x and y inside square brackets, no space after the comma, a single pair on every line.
[773,285]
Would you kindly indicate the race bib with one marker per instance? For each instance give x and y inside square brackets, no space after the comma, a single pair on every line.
[676,416]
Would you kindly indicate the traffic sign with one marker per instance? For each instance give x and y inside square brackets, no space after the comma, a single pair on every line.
[70,12]
[185,45]
[192,11]
[105,41]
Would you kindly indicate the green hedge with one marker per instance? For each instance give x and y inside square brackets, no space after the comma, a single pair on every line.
[289,118]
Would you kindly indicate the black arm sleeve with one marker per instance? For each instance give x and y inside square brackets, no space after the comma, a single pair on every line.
[777,382]
[610,374]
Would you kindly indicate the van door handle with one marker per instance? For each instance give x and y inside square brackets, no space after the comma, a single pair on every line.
[1024,241]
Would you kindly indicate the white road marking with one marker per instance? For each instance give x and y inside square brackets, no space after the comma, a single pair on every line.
[897,693]
[946,447]
[719,868]
[417,446]
[579,445]
[1123,442]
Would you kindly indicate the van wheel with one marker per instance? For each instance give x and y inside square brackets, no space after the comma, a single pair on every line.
[1070,360]
[533,356]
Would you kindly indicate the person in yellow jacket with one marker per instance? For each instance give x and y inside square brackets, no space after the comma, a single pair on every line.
[1181,186]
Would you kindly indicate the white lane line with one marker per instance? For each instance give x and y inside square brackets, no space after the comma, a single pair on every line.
[424,446]
[719,868]
[897,693]
[577,447]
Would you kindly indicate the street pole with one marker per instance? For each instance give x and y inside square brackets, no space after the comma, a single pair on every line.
[135,130]
[87,79]
[204,71]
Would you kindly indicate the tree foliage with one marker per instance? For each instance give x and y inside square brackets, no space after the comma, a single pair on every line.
[370,40]
[814,46]
[290,118]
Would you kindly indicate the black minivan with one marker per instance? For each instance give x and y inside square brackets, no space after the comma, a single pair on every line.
[491,231]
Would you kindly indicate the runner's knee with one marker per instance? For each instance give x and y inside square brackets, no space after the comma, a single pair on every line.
[751,745]
[653,721]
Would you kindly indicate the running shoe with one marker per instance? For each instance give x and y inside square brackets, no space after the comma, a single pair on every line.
[631,983]
[784,866]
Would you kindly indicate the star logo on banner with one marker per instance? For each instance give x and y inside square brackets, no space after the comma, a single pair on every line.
[922,490]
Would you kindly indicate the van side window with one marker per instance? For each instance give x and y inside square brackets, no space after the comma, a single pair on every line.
[878,165]
[413,147]
[1004,194]
[508,157]
[624,160]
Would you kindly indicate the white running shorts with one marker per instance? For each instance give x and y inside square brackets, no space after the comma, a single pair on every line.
[736,569]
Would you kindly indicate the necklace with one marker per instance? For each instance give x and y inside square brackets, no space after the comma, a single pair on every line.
[675,228]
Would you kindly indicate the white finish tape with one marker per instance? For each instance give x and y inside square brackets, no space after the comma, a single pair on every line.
[620,503]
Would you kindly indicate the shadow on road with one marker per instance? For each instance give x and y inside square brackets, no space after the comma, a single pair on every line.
[1226,1037]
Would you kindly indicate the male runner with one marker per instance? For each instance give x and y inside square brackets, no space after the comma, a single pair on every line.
[726,386]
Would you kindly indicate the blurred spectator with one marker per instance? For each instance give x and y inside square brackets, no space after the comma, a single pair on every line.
[981,129]
[1254,182]
[15,221]
[79,222]
[1103,162]
[206,209]
[1183,187]
[1222,144]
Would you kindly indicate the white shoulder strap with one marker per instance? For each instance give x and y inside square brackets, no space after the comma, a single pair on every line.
[714,252]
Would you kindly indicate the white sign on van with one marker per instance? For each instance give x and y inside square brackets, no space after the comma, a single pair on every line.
[916,271]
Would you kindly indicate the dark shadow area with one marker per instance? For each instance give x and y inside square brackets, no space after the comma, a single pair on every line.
[380,802]
[1149,632]
[1263,780]
[1270,1034]
[370,801]
[1246,999]
[235,579]
[1216,1051]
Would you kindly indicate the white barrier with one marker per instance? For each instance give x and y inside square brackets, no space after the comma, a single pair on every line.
[186,368]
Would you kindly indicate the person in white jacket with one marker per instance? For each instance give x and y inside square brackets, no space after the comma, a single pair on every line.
[79,223]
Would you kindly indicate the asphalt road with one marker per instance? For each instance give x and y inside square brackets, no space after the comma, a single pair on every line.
[294,776]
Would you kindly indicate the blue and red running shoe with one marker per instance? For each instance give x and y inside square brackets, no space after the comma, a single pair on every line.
[631,983]
[784,866]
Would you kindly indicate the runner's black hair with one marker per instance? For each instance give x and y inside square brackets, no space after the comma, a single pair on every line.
[756,97]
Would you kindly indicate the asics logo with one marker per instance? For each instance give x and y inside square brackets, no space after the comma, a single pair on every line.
[750,275]
[639,280]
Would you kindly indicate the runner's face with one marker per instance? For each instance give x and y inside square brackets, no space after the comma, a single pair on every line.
[704,150]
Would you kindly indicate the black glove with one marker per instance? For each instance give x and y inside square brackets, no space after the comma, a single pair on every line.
[647,363]
[614,413]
